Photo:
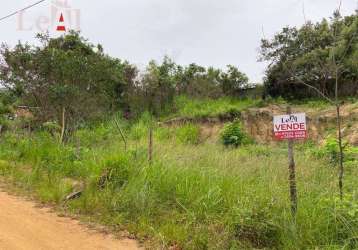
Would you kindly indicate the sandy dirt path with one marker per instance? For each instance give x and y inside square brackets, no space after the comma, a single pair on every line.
[23,226]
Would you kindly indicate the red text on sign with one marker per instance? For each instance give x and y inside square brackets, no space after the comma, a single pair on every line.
[291,126]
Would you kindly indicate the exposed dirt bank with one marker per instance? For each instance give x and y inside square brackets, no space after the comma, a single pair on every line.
[258,122]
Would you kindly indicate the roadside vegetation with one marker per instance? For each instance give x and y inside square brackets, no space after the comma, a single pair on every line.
[75,129]
[195,196]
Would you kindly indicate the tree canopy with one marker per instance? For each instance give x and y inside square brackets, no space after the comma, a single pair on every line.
[65,73]
[156,88]
[308,54]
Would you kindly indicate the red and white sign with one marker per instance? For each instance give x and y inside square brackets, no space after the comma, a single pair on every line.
[61,27]
[291,126]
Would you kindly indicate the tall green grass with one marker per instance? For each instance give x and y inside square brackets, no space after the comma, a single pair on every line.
[202,108]
[194,195]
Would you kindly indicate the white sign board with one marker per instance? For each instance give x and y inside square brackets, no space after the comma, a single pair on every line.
[291,126]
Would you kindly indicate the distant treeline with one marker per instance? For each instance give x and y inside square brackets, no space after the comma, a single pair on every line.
[316,53]
[70,79]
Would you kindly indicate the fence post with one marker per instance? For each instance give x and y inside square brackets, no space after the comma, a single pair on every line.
[292,172]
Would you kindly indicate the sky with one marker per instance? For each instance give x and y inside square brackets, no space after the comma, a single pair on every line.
[207,32]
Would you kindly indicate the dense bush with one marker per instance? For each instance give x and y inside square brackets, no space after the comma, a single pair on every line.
[233,134]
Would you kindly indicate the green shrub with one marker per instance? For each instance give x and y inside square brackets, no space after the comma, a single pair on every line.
[188,134]
[233,134]
[330,150]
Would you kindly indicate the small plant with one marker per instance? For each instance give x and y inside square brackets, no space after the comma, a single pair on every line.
[233,134]
[331,149]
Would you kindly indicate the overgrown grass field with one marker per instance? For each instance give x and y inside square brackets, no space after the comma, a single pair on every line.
[195,194]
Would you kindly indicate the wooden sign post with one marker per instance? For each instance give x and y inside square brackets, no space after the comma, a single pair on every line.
[291,127]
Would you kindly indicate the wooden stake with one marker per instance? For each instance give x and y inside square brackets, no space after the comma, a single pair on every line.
[292,173]
[150,146]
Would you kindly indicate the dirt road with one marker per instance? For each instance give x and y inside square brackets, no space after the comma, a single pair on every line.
[26,227]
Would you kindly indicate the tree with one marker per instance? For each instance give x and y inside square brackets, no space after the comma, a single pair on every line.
[307,53]
[69,79]
[155,89]
[233,81]
[186,76]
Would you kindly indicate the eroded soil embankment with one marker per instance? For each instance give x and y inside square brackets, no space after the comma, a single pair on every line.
[258,122]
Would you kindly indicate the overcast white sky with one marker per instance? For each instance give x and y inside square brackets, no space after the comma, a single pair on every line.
[207,32]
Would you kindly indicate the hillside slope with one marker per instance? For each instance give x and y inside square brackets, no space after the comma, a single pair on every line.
[258,122]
